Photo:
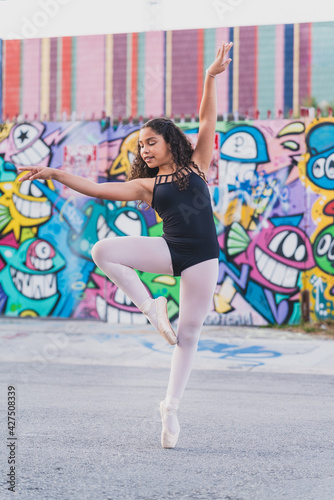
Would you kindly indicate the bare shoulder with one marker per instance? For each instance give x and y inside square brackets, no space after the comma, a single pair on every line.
[146,186]
[147,183]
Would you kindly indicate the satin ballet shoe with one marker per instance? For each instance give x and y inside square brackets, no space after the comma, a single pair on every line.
[168,438]
[163,325]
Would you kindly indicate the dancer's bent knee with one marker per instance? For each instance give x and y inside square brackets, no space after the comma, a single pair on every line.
[100,253]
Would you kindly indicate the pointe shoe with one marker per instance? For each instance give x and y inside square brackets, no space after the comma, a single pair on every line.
[168,438]
[164,327]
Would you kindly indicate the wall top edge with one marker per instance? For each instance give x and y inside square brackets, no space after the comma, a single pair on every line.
[168,31]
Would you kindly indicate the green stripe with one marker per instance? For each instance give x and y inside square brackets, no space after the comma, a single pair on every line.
[141,74]
[209,47]
[323,62]
[266,70]
[74,75]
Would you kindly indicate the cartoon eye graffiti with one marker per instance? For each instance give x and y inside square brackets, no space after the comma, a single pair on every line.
[273,245]
[300,253]
[24,134]
[292,145]
[40,255]
[240,145]
[326,246]
[318,168]
[331,251]
[320,146]
[324,250]
[329,167]
[129,223]
[289,245]
[43,250]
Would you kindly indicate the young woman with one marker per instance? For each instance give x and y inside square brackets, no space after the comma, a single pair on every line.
[169,175]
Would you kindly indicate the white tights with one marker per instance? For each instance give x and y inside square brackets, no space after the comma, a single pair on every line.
[118,257]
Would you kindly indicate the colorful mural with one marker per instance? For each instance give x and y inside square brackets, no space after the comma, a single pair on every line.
[272,186]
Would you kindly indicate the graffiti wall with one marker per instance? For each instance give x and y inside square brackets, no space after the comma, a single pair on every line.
[272,186]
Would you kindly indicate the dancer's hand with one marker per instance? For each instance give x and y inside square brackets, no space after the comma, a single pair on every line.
[37,173]
[220,64]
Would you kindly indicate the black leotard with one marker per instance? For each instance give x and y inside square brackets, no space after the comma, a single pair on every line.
[188,224]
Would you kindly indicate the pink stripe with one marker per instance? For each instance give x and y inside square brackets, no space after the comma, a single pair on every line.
[279,69]
[90,76]
[184,88]
[154,73]
[247,66]
[31,77]
[304,61]
[222,35]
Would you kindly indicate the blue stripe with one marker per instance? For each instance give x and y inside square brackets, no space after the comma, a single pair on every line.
[230,75]
[288,67]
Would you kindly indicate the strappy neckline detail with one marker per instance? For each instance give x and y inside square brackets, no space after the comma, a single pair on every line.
[185,170]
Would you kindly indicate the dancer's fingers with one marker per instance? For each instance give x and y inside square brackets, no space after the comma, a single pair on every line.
[25,177]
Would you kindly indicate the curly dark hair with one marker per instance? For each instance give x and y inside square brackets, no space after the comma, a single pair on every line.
[181,149]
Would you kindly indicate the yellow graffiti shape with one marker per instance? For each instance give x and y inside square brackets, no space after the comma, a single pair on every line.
[23,205]
[5,129]
[165,280]
[224,297]
[292,128]
[122,164]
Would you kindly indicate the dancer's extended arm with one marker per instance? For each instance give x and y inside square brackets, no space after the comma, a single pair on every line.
[208,109]
[116,191]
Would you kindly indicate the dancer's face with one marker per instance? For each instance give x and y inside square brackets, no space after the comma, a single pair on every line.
[154,149]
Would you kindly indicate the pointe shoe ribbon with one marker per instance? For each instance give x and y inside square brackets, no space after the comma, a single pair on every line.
[168,438]
[164,327]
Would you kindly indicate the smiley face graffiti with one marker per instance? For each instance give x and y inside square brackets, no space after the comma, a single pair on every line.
[324,250]
[320,145]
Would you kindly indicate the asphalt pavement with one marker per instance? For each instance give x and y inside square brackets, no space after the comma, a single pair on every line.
[256,418]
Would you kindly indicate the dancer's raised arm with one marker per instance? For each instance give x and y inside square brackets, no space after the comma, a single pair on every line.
[208,109]
[116,191]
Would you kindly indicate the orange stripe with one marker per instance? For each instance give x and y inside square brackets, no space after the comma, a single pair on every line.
[12,78]
[200,52]
[67,76]
[134,103]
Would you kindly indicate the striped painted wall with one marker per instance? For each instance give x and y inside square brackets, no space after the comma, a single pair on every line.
[274,68]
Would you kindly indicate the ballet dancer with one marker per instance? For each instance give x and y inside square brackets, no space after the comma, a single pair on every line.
[169,175]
